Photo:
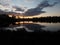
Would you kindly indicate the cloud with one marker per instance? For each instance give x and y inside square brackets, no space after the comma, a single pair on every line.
[46,4]
[29,1]
[18,8]
[39,8]
[5,6]
[5,2]
[32,12]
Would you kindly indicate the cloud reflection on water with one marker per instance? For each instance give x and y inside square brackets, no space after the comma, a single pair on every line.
[30,26]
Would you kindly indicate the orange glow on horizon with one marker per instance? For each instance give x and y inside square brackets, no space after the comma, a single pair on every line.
[16,17]
[24,22]
[25,17]
[10,15]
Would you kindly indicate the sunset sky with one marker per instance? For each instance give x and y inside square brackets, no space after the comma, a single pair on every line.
[27,5]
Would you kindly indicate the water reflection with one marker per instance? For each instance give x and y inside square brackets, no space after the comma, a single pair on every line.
[50,26]
[30,26]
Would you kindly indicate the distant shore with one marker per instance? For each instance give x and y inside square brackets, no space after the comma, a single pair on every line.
[49,19]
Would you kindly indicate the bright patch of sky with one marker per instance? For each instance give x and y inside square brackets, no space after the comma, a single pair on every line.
[26,3]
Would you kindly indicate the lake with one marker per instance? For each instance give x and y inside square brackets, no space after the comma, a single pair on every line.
[30,26]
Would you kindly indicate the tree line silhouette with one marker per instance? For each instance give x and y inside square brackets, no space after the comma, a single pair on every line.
[6,18]
[41,19]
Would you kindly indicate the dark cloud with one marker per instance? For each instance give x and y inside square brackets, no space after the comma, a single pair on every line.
[2,12]
[46,4]
[18,8]
[39,8]
[34,11]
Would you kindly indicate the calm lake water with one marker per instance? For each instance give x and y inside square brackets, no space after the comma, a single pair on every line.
[30,26]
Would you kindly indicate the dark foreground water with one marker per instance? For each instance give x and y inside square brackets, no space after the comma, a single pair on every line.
[30,26]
